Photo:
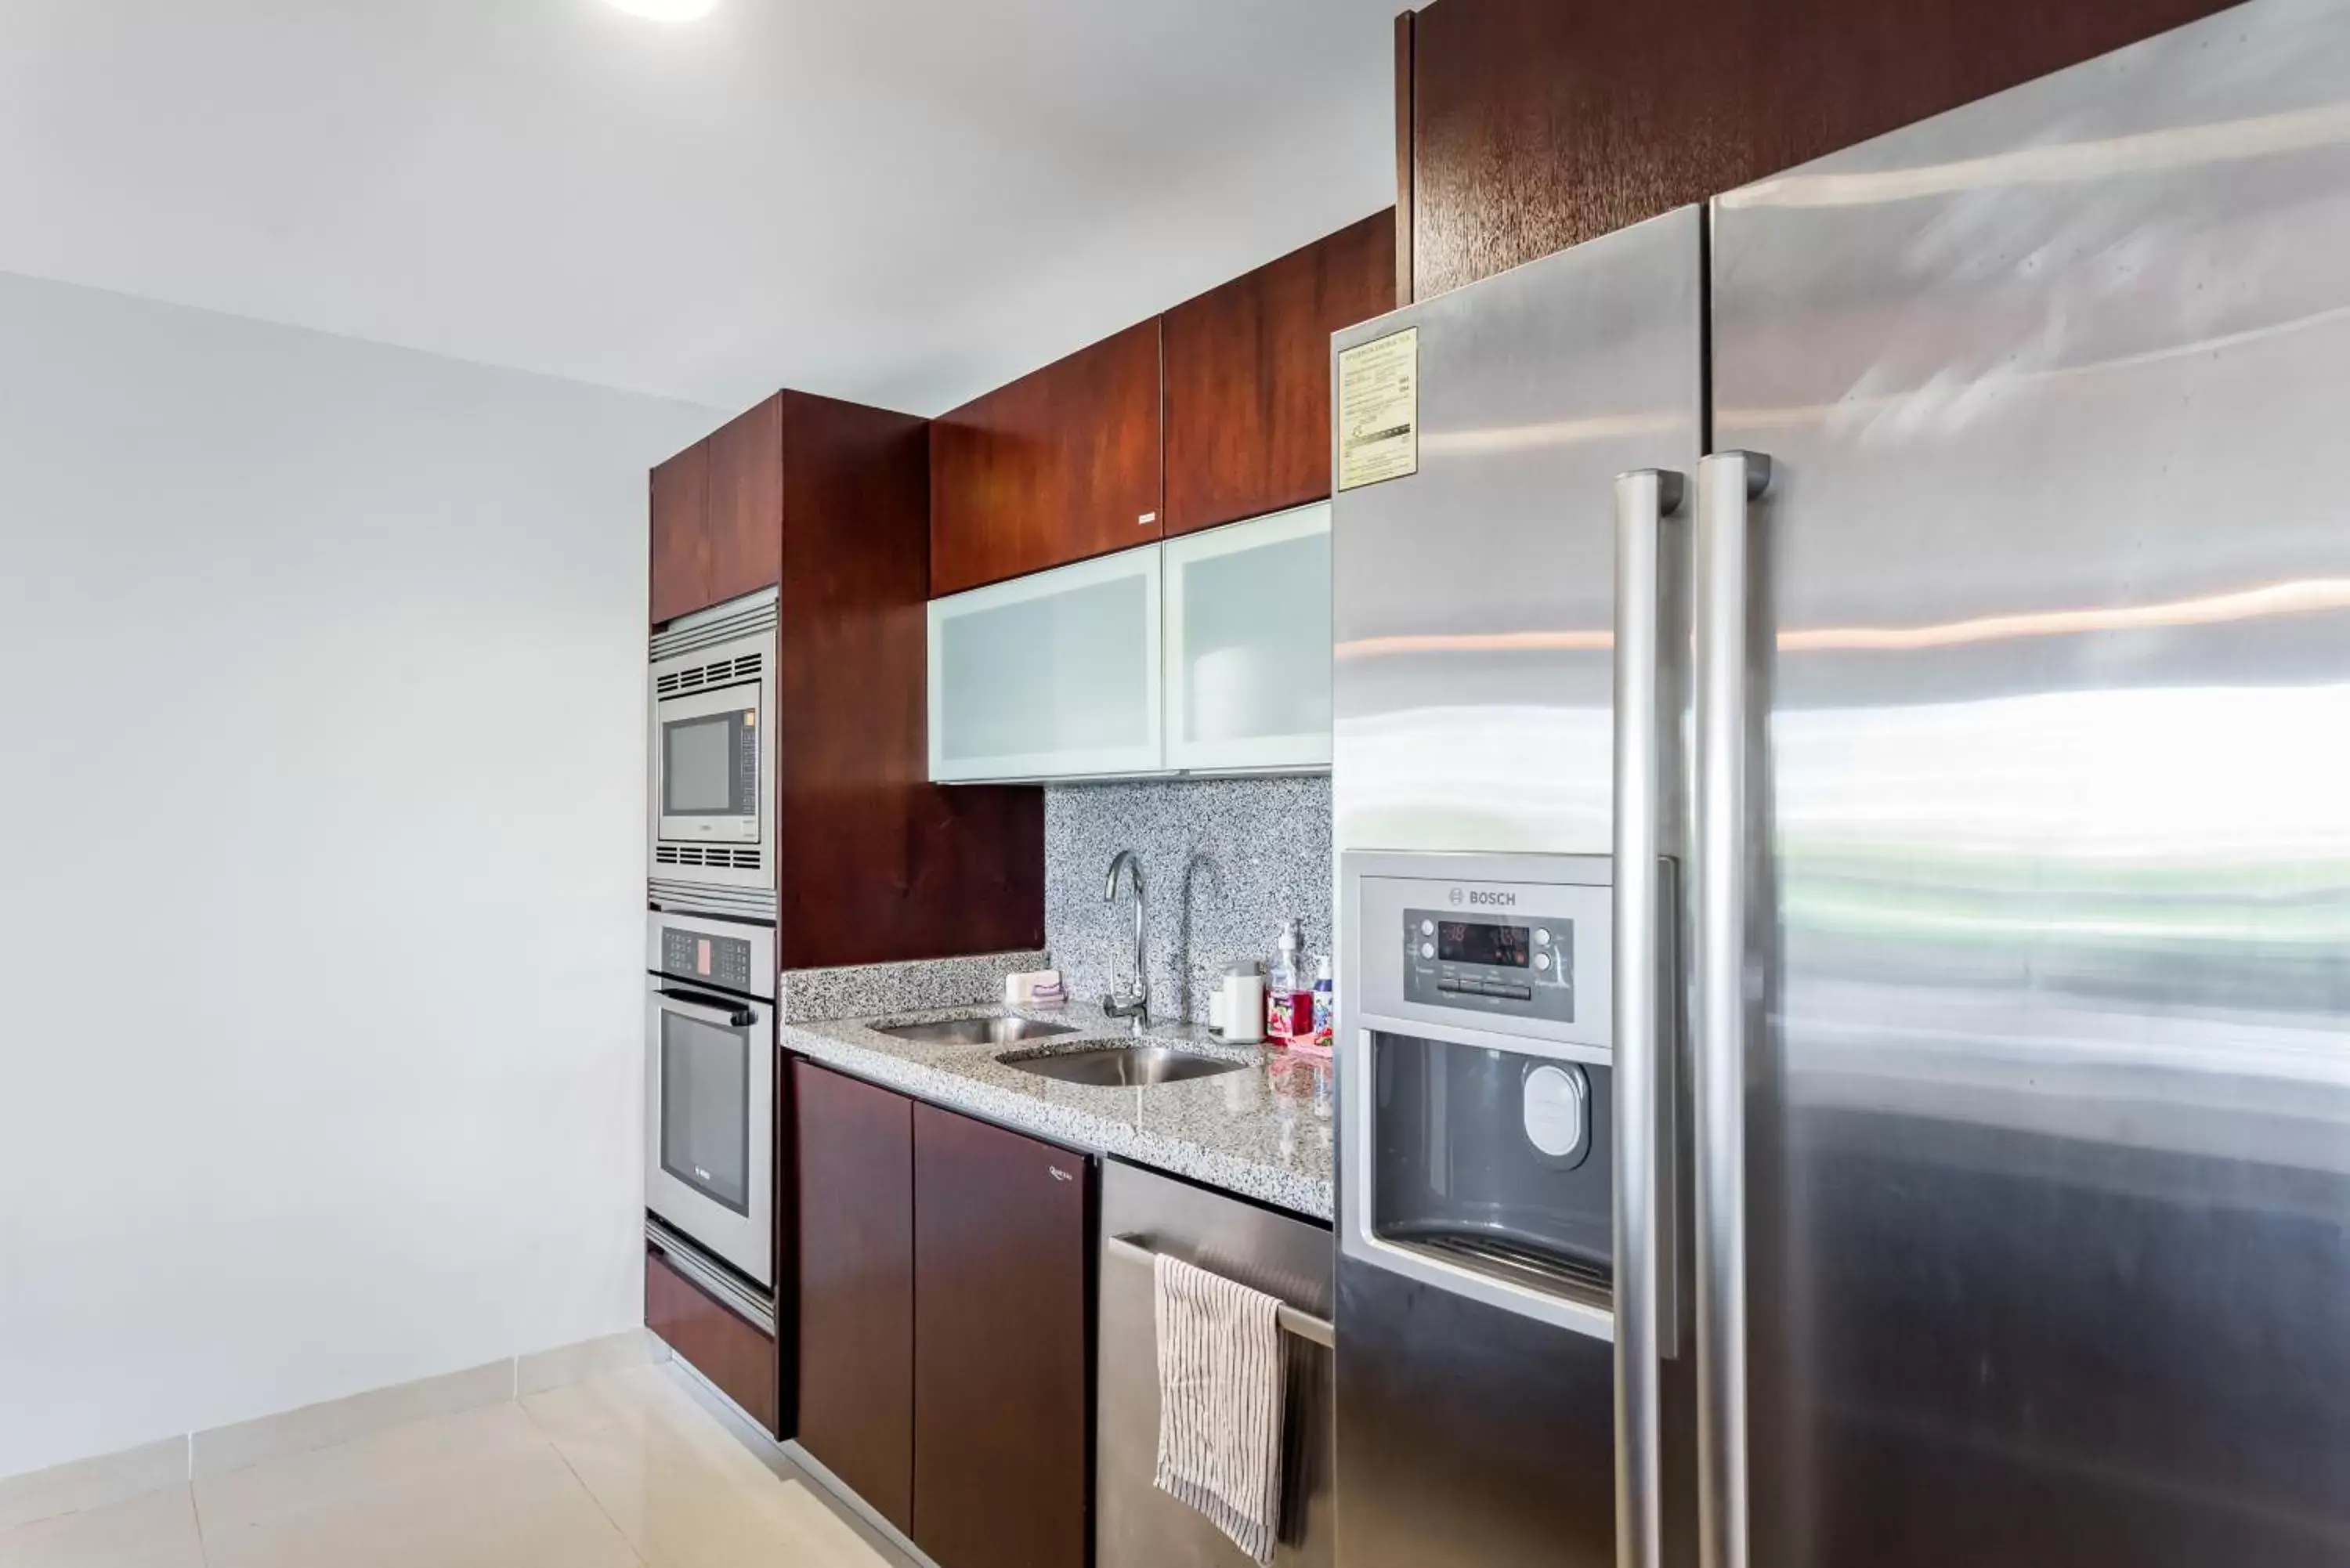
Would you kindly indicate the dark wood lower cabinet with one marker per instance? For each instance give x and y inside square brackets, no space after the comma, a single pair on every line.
[1003,1341]
[945,1340]
[724,1348]
[856,1285]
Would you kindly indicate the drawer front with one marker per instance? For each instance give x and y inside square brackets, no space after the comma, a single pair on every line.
[730,1353]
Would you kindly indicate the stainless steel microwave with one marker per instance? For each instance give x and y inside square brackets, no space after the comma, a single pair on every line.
[712,749]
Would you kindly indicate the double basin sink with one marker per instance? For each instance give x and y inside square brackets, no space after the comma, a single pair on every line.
[1103,1065]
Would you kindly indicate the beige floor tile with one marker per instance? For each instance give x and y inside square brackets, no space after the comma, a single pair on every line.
[633,1398]
[569,1364]
[482,1489]
[682,1490]
[832,1540]
[648,1404]
[158,1531]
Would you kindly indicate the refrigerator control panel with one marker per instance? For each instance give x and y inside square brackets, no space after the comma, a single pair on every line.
[1517,946]
[1490,963]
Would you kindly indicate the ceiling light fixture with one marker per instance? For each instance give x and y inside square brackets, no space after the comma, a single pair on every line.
[666,10]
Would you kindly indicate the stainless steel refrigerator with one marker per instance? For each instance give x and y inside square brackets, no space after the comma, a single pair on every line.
[1894,622]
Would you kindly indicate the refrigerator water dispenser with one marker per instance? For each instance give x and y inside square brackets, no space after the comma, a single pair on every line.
[1478,1078]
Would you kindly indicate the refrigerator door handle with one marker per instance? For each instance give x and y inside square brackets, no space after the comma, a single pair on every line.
[1644,498]
[1727,482]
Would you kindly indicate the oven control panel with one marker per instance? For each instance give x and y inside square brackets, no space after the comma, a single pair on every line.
[722,962]
[1522,966]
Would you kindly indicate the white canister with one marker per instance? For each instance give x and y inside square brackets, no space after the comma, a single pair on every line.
[1240,1008]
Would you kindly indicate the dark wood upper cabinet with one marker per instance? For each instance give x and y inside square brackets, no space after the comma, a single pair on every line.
[830,502]
[1002,1344]
[746,526]
[1218,411]
[1534,125]
[718,515]
[882,865]
[1059,466]
[680,535]
[1248,376]
[856,1156]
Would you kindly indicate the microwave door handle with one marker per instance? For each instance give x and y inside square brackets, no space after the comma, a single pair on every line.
[1728,483]
[732,1014]
[1644,498]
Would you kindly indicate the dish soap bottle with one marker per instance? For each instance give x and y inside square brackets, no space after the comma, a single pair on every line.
[1288,1004]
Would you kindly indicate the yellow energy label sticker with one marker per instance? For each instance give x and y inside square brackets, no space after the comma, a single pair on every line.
[1379,410]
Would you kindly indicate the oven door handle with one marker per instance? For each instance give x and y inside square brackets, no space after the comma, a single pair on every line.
[735,1015]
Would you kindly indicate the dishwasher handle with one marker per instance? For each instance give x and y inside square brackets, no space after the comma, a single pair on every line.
[1303,1324]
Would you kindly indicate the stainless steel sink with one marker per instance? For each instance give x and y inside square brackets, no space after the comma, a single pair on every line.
[1120,1066]
[975,1031]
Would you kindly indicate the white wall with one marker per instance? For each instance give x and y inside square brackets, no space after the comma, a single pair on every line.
[321,866]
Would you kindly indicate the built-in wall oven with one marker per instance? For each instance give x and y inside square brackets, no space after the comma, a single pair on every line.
[710,1096]
[713,746]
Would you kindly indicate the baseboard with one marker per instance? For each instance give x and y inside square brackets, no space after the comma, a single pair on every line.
[332,1421]
[118,1477]
[788,1460]
[843,1494]
[98,1482]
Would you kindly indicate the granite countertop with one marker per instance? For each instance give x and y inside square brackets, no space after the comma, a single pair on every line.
[1265,1132]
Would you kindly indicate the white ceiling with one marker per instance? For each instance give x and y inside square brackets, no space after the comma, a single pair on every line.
[903,201]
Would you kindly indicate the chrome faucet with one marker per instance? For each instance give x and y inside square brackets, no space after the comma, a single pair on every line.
[1134,1004]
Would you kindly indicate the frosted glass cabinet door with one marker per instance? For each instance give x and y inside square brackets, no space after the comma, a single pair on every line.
[1050,676]
[1248,644]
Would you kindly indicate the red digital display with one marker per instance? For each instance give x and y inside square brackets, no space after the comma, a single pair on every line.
[1472,941]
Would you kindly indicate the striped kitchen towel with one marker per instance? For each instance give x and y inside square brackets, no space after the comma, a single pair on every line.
[1219,1399]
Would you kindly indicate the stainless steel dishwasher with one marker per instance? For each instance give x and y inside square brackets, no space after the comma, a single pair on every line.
[1135,1525]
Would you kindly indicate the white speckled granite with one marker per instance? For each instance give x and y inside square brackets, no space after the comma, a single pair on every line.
[1263,1132]
[1227,860]
[865,991]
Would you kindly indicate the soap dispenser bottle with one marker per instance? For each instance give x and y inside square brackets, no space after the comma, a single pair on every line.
[1288,1001]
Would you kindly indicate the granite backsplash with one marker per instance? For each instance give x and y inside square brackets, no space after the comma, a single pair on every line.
[1227,861]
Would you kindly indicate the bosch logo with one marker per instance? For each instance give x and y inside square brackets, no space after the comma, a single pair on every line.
[1456,896]
[1492,898]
